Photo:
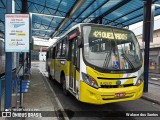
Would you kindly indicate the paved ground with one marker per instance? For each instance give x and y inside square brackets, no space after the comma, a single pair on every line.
[71,104]
[39,96]
[153,94]
[49,97]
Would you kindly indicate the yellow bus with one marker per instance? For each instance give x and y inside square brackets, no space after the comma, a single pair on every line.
[98,64]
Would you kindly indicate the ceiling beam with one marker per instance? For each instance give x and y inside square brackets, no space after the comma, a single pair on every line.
[41,37]
[69,15]
[111,10]
[45,6]
[134,17]
[94,10]
[1,21]
[129,13]
[33,22]
[2,7]
[3,4]
[125,14]
[43,30]
[47,15]
[74,19]
[108,22]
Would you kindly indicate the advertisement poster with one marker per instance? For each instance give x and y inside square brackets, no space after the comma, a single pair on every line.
[17,33]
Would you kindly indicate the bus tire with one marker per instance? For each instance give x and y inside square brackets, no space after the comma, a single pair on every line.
[65,91]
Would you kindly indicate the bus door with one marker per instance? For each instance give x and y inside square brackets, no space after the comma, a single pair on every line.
[73,56]
[53,62]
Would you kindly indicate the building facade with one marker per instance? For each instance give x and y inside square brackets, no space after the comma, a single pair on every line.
[42,53]
[154,54]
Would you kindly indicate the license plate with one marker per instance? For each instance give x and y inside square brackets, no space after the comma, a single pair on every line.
[122,94]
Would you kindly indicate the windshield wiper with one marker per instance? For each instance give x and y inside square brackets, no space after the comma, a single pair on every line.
[107,58]
[131,59]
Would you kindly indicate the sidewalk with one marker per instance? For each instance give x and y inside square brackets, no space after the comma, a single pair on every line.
[38,97]
[153,93]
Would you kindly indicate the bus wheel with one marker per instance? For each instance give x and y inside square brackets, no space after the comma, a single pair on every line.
[65,91]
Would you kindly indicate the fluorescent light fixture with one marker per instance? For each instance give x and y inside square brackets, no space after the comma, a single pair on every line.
[43,30]
[55,32]
[40,37]
[48,15]
[157,5]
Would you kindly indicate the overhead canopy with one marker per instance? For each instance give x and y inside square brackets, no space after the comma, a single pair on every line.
[66,13]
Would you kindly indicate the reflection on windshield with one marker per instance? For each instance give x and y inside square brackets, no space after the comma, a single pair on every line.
[109,48]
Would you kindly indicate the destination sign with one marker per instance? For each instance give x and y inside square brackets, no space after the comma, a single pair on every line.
[110,35]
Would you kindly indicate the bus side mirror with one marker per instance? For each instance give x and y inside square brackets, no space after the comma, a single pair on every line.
[80,41]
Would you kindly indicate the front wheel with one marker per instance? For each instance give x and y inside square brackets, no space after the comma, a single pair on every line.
[65,91]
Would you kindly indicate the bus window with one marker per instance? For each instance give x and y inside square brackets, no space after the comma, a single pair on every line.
[77,56]
[64,48]
[53,53]
[58,51]
[1,48]
[50,51]
[47,54]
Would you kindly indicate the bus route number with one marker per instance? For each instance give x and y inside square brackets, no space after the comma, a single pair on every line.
[110,35]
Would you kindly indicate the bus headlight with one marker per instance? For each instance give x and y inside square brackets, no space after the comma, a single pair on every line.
[89,80]
[139,81]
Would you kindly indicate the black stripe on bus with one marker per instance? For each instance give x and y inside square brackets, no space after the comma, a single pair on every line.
[116,78]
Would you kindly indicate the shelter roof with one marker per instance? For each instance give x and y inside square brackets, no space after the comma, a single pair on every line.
[54,17]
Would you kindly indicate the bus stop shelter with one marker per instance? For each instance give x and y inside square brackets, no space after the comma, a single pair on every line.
[51,18]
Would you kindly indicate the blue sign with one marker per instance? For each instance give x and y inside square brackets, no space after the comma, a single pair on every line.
[116,64]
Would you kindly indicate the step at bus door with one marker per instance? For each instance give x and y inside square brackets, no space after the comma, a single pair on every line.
[72,79]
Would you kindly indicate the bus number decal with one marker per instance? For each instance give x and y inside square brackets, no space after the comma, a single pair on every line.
[105,83]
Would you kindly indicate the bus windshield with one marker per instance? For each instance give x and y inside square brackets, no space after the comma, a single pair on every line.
[111,48]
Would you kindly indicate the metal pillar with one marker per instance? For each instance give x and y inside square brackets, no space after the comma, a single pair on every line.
[24,10]
[8,70]
[31,42]
[24,6]
[147,37]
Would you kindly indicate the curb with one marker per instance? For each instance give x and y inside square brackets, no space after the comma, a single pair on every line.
[60,114]
[154,83]
[151,100]
[153,73]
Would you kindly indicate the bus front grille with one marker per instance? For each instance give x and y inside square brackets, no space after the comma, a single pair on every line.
[116,86]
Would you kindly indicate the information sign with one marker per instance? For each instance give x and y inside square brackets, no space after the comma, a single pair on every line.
[17,33]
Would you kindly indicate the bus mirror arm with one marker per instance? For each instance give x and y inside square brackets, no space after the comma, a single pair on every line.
[80,41]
